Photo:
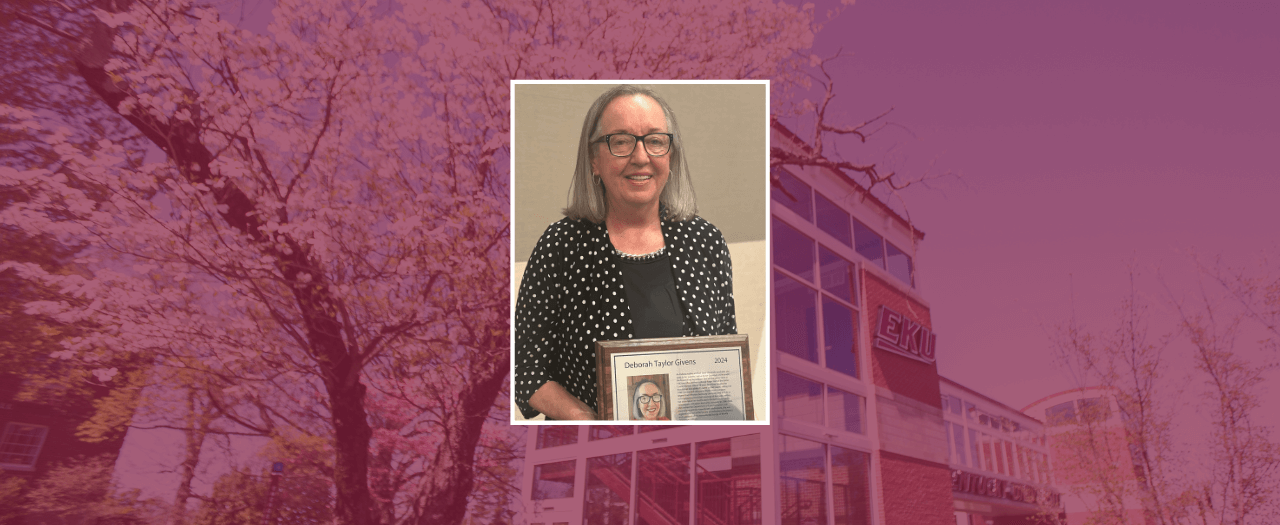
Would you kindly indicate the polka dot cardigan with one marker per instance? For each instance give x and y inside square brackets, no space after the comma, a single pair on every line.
[571,296]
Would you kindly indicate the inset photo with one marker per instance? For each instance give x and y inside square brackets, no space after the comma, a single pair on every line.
[639,212]
[649,398]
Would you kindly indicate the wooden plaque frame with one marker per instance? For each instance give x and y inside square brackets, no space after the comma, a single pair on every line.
[606,349]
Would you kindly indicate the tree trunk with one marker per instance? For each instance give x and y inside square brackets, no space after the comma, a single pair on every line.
[351,434]
[197,423]
[338,365]
[453,468]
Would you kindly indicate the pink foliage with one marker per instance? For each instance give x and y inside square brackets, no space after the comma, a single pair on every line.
[332,206]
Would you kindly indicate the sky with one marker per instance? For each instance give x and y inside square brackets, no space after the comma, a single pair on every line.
[1072,141]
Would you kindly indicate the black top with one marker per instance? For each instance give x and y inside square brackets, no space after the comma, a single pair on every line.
[651,295]
[572,296]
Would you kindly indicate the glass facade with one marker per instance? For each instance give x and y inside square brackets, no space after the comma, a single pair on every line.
[804,478]
[662,486]
[988,443]
[729,485]
[814,474]
[823,458]
[556,436]
[607,498]
[850,486]
[553,480]
[812,465]
[811,206]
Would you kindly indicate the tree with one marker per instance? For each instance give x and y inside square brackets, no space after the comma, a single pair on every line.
[824,132]
[242,497]
[325,242]
[1244,462]
[1132,460]
[1232,475]
[80,491]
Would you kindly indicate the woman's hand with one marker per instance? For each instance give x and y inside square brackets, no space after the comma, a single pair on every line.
[557,403]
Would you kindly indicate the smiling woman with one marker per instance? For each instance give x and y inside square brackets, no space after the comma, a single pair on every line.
[648,402]
[631,258]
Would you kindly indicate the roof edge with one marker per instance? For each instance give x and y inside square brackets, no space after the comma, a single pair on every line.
[857,186]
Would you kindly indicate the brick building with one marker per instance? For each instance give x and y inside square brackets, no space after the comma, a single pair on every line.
[1092,459]
[857,431]
[39,435]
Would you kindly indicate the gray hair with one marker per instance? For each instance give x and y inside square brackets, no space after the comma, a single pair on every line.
[636,413]
[586,196]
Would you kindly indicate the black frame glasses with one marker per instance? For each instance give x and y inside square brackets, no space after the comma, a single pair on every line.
[639,139]
[656,398]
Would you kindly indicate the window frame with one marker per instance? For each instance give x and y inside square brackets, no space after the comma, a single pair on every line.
[820,294]
[827,473]
[10,430]
[573,481]
[824,431]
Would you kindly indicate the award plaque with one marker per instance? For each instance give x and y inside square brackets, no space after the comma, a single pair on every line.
[675,379]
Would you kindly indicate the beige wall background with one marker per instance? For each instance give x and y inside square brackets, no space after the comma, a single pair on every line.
[725,130]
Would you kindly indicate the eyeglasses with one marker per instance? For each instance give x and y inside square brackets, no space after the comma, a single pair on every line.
[656,398]
[623,144]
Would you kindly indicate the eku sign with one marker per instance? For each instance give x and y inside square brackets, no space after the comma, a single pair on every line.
[896,333]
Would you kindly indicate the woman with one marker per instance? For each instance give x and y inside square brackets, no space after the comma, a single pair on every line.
[630,259]
[646,404]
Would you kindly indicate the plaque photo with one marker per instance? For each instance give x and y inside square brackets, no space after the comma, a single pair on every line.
[675,379]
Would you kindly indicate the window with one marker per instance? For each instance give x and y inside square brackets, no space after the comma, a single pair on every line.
[955,438]
[837,276]
[795,317]
[607,497]
[813,474]
[1094,409]
[881,253]
[801,399]
[609,431]
[662,495]
[850,494]
[553,480]
[1008,455]
[798,286]
[791,193]
[1087,410]
[839,329]
[974,448]
[868,243]
[792,250]
[997,450]
[832,219]
[1024,466]
[899,264]
[728,489]
[804,476]
[844,410]
[555,436]
[988,452]
[21,444]
[814,207]
[657,428]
